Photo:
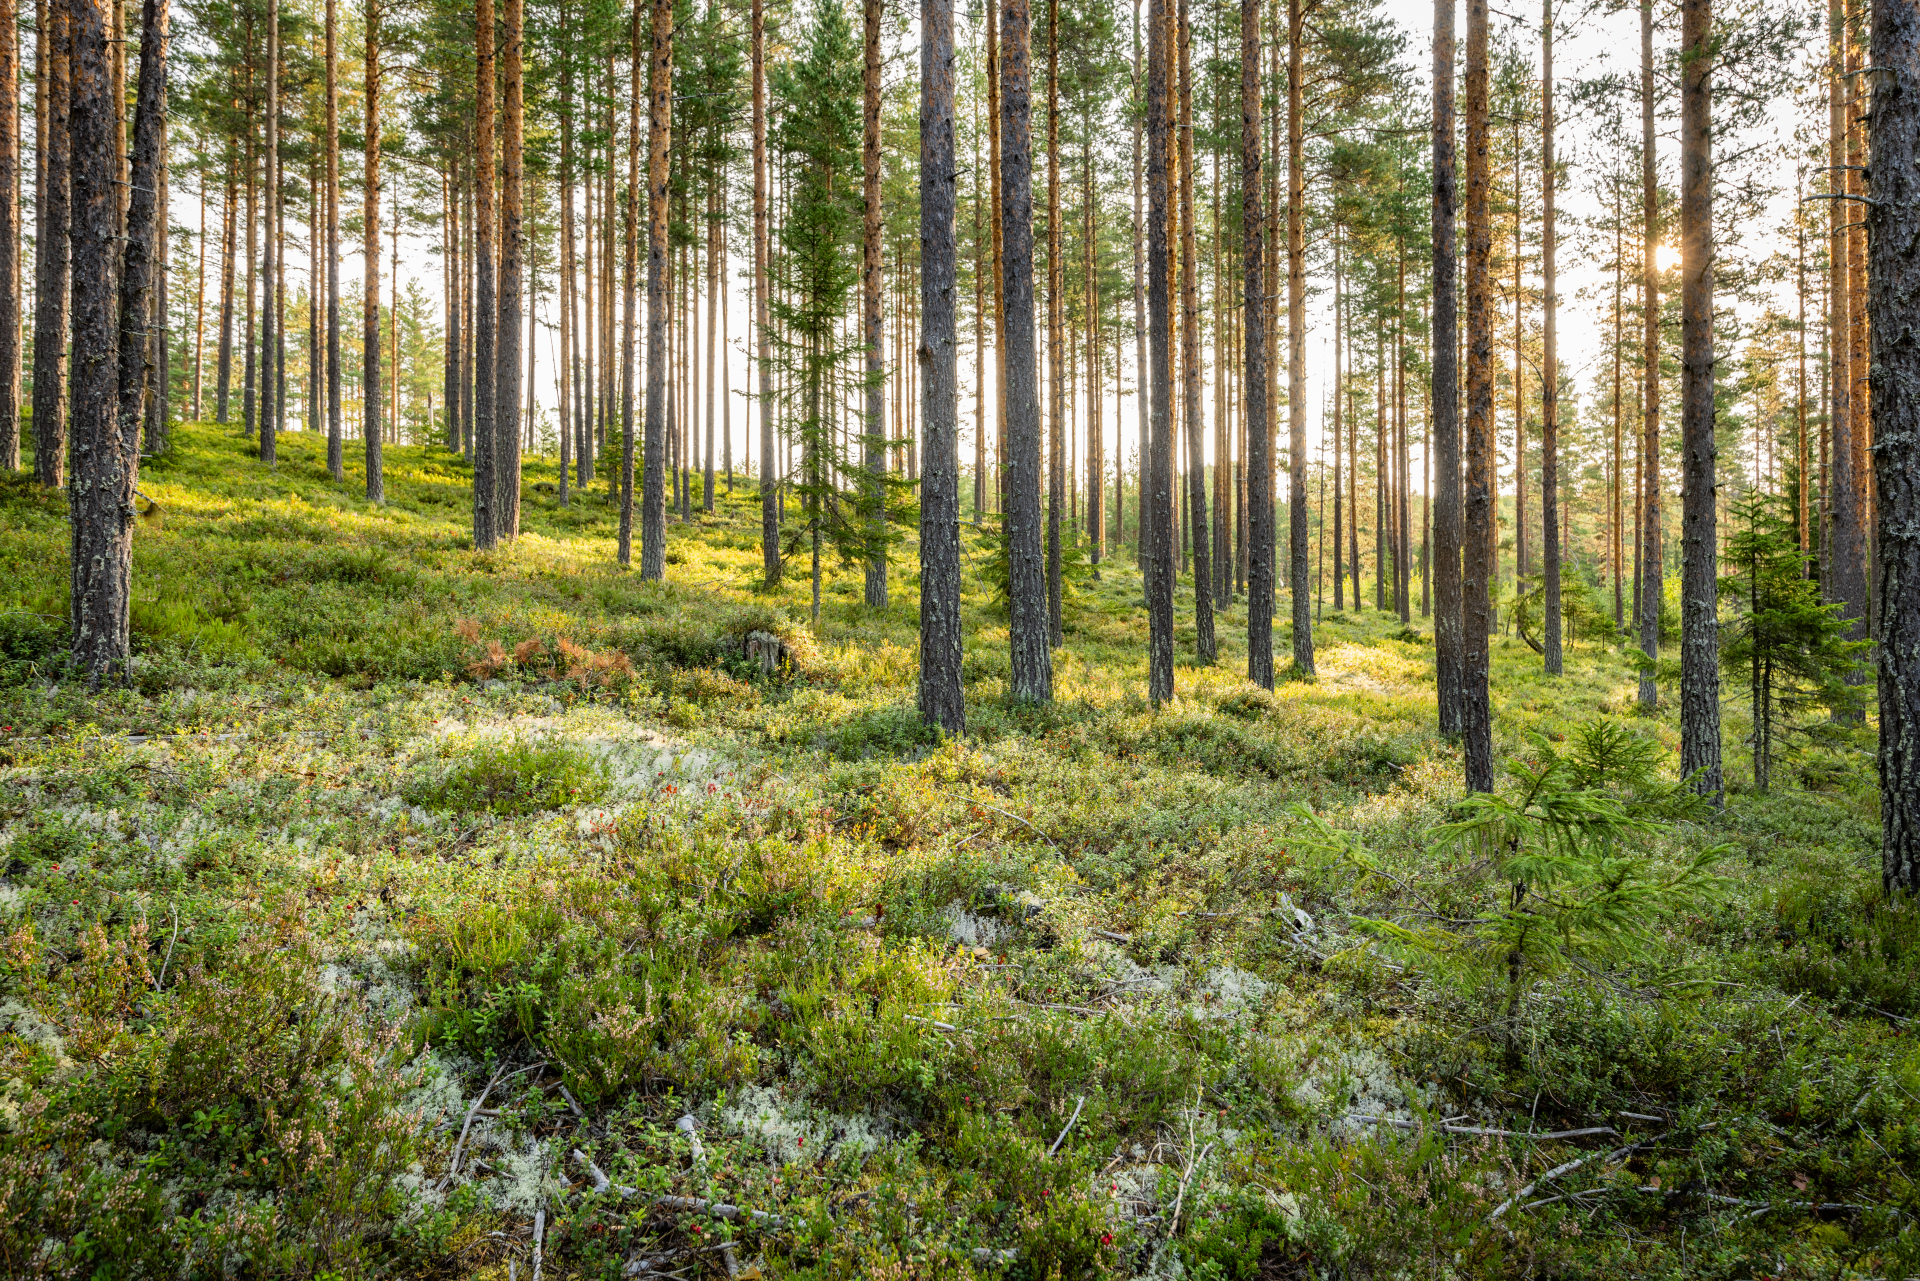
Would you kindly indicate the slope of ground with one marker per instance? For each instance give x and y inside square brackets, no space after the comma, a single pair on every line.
[413,912]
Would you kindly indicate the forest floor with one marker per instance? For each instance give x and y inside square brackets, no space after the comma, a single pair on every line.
[422,913]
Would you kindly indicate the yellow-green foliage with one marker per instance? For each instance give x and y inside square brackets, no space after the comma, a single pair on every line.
[376,825]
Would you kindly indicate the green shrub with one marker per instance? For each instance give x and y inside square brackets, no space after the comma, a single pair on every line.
[513,779]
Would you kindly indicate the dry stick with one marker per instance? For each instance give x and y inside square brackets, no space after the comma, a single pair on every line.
[161,982]
[1080,1103]
[968,800]
[1589,1132]
[539,1240]
[453,1165]
[688,1204]
[1173,1224]
[1568,1168]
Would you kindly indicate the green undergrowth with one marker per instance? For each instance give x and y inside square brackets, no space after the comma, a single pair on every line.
[386,854]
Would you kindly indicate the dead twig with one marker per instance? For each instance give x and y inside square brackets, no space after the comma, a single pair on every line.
[161,982]
[1569,1167]
[1173,1223]
[1592,1131]
[1062,1137]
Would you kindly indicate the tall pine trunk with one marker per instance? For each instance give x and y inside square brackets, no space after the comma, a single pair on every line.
[1895,276]
[511,324]
[1699,538]
[1259,425]
[10,235]
[486,302]
[1443,569]
[942,699]
[1550,357]
[875,429]
[51,237]
[336,422]
[631,285]
[1056,335]
[653,515]
[1158,490]
[229,221]
[1651,592]
[271,411]
[1205,648]
[1028,628]
[1476,721]
[109,378]
[370,248]
[770,564]
[1297,345]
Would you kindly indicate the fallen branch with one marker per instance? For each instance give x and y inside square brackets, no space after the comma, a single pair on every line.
[1592,1131]
[684,1204]
[453,1163]
[539,1240]
[968,800]
[161,982]
[1559,1171]
[1062,1137]
[1173,1223]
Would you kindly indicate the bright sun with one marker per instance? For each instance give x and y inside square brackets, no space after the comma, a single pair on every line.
[1666,257]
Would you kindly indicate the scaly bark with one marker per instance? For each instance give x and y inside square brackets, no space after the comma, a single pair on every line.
[10,235]
[1297,345]
[51,276]
[1032,659]
[1895,277]
[631,286]
[1259,425]
[1549,362]
[653,515]
[486,303]
[1159,562]
[1206,651]
[370,249]
[942,698]
[762,324]
[512,302]
[870,313]
[1476,721]
[1647,608]
[1699,537]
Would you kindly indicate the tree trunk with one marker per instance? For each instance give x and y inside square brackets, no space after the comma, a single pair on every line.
[52,252]
[1096,429]
[486,303]
[1895,277]
[1158,554]
[762,323]
[1206,651]
[1142,398]
[653,516]
[271,411]
[875,429]
[370,317]
[1549,362]
[942,698]
[1028,629]
[630,285]
[109,378]
[1476,722]
[996,226]
[223,379]
[715,288]
[1651,587]
[1339,425]
[335,419]
[1259,426]
[1443,569]
[10,240]
[512,303]
[1056,333]
[1699,541]
[1297,344]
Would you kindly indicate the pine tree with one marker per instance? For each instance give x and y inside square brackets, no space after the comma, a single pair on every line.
[1159,564]
[370,291]
[1259,424]
[1895,279]
[1699,608]
[1477,569]
[1028,629]
[52,273]
[942,697]
[653,511]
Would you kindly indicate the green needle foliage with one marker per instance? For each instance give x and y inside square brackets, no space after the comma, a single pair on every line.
[1790,647]
[1574,875]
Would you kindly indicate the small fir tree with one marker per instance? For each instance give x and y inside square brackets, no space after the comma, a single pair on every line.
[1791,648]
